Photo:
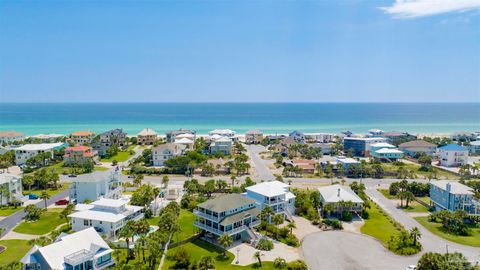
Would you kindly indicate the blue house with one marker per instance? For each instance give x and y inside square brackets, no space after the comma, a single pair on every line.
[274,194]
[297,136]
[453,196]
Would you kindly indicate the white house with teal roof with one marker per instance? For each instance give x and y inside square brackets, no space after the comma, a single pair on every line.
[453,155]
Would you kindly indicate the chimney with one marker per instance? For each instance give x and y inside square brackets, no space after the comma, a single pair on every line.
[338,193]
[449,187]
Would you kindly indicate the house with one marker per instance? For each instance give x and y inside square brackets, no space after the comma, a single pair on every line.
[463,136]
[453,155]
[79,155]
[474,147]
[27,151]
[360,146]
[146,136]
[391,154]
[325,147]
[253,136]
[223,132]
[164,152]
[11,136]
[453,196]
[274,194]
[109,138]
[297,136]
[306,165]
[341,197]
[273,139]
[48,138]
[81,250]
[281,148]
[396,138]
[82,137]
[319,137]
[375,132]
[231,214]
[13,189]
[347,162]
[187,143]
[174,133]
[223,145]
[107,216]
[96,185]
[377,146]
[418,147]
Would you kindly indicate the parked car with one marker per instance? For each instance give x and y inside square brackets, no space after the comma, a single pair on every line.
[411,267]
[72,175]
[62,202]
[32,196]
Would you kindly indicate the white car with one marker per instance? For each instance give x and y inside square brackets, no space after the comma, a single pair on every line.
[411,267]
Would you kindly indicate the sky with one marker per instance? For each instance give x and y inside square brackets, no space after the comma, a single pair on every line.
[240,51]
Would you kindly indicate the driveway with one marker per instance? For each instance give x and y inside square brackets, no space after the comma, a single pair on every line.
[350,251]
[430,242]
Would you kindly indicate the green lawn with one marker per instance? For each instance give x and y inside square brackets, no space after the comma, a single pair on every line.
[436,228]
[6,211]
[378,224]
[386,193]
[50,191]
[121,156]
[199,248]
[390,167]
[16,249]
[47,223]
[415,207]
[100,168]
[185,221]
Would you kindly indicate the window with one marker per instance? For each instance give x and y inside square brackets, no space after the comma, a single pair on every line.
[85,222]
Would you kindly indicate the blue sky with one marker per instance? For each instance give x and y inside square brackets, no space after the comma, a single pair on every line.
[253,51]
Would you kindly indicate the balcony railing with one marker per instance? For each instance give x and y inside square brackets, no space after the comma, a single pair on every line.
[205,215]
[79,256]
[232,231]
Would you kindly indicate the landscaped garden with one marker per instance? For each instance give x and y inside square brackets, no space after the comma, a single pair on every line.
[437,228]
[15,250]
[377,218]
[47,222]
[9,210]
[50,191]
[121,156]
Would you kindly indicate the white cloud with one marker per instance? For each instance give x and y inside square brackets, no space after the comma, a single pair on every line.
[421,8]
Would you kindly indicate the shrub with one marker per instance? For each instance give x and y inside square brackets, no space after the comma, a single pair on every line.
[346,216]
[148,213]
[297,265]
[264,244]
[334,223]
[279,263]
[292,240]
[365,214]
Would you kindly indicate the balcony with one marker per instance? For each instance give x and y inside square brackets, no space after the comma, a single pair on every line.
[79,257]
[232,231]
[207,216]
[104,264]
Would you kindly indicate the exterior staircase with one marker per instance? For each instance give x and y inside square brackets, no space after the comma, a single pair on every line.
[289,215]
[253,235]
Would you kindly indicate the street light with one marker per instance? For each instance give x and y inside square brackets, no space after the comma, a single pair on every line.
[238,256]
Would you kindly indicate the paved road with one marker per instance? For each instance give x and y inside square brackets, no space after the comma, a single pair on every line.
[260,165]
[430,242]
[350,251]
[11,221]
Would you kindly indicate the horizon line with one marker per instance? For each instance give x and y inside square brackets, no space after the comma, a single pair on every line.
[242,102]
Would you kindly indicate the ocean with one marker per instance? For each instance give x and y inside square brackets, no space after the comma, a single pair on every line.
[64,118]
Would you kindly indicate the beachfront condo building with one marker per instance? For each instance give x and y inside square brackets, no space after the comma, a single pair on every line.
[417,148]
[146,136]
[78,155]
[223,145]
[107,216]
[109,138]
[342,198]
[164,152]
[453,155]
[319,137]
[275,195]
[83,250]
[231,214]
[360,146]
[96,185]
[453,196]
[27,151]
[11,136]
[12,186]
[82,137]
[253,136]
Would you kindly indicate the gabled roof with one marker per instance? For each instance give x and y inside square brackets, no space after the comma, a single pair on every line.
[382,145]
[11,133]
[337,193]
[254,132]
[269,189]
[455,187]
[416,143]
[82,133]
[39,147]
[226,202]
[147,132]
[388,151]
[94,176]
[453,147]
[184,141]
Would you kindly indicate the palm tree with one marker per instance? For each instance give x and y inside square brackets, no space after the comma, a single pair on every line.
[54,177]
[28,181]
[291,226]
[267,211]
[233,179]
[165,181]
[415,234]
[3,191]
[156,192]
[226,241]
[206,263]
[277,220]
[408,197]
[127,232]
[45,196]
[258,256]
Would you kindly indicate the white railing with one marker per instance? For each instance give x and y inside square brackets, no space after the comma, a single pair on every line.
[205,215]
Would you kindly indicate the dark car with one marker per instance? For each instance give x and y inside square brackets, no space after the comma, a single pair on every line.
[72,175]
[32,196]
[62,202]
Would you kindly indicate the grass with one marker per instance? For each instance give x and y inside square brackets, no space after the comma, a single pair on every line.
[48,222]
[50,191]
[387,194]
[415,207]
[6,211]
[16,249]
[379,225]
[185,221]
[441,174]
[100,168]
[199,248]
[121,156]
[436,228]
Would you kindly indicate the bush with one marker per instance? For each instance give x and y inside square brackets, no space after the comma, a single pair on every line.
[297,265]
[292,240]
[279,263]
[264,244]
[334,223]
[148,213]
[346,216]
[365,214]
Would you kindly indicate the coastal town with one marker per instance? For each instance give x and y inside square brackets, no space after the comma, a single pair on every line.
[231,200]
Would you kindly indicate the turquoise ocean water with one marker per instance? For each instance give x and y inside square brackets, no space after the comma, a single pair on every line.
[269,117]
